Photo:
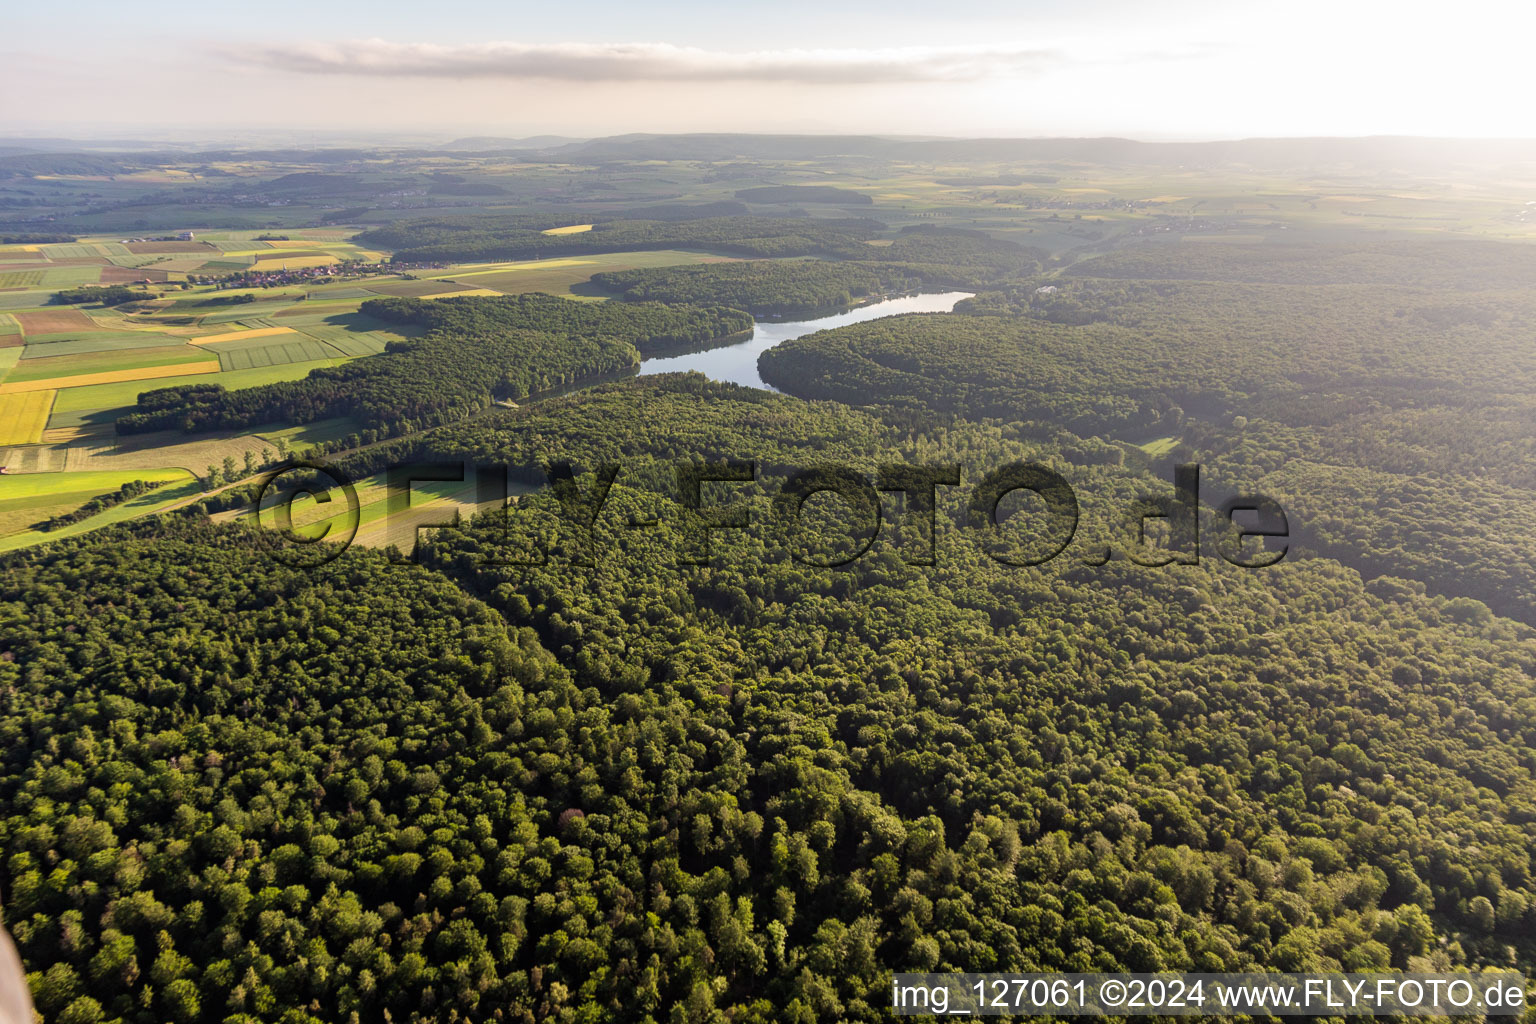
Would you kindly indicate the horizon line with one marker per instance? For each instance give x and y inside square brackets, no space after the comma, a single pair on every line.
[142,134]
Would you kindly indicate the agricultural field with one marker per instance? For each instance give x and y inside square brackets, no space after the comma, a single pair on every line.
[138,361]
[23,298]
[54,321]
[100,404]
[24,416]
[460,293]
[297,261]
[105,260]
[245,335]
[70,371]
[67,372]
[69,343]
[161,371]
[31,498]
[249,356]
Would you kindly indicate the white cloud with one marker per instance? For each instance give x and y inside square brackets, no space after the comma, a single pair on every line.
[657,62]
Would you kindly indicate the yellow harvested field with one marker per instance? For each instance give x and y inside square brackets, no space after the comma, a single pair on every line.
[573,229]
[23,417]
[274,250]
[465,292]
[255,332]
[1167,199]
[471,269]
[179,264]
[270,262]
[81,380]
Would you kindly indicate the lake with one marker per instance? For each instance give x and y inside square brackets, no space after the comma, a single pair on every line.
[737,364]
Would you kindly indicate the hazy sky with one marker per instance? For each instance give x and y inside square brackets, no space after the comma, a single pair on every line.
[1174,69]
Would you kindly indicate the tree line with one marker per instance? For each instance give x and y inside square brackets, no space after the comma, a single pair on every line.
[475,351]
[457,241]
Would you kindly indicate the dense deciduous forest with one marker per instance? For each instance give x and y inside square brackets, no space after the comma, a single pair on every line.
[1445,264]
[917,259]
[554,770]
[957,256]
[111,295]
[681,211]
[1395,417]
[752,789]
[650,326]
[761,287]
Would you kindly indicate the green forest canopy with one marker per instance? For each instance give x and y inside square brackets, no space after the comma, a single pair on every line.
[635,790]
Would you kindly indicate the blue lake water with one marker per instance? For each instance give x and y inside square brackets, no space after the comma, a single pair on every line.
[737,364]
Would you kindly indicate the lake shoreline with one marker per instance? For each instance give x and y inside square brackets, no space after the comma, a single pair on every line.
[736,363]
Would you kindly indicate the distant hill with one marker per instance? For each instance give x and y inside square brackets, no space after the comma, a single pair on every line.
[491,142]
[726,147]
[27,155]
[25,165]
[50,144]
[1373,151]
